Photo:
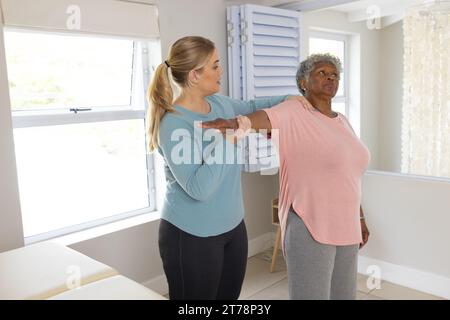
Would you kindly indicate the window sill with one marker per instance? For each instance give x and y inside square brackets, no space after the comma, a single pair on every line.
[105,229]
[407,176]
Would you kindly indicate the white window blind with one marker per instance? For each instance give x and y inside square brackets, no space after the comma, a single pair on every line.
[263,56]
[107,17]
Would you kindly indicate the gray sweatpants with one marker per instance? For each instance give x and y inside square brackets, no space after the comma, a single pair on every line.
[318,271]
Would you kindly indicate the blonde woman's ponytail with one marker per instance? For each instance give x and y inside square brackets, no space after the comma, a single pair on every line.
[160,98]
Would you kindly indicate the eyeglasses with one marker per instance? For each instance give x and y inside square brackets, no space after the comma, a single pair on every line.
[332,75]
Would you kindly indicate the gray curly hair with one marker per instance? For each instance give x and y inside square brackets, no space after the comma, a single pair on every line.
[307,65]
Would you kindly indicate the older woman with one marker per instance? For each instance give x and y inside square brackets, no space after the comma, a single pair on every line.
[321,165]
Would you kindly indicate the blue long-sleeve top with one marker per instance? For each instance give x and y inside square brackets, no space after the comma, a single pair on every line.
[203,195]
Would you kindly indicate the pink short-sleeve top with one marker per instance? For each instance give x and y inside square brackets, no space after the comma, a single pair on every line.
[321,165]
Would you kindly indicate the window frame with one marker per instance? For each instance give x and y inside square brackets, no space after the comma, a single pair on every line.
[328,35]
[141,74]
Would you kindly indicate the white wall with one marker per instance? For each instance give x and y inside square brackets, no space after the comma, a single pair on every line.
[391,95]
[11,233]
[205,18]
[258,192]
[409,221]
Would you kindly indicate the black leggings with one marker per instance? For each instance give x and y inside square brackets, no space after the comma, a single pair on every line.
[206,268]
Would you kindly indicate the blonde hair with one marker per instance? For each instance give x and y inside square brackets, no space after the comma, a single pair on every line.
[186,54]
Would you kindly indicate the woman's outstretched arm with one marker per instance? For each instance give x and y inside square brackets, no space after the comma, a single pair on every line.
[259,121]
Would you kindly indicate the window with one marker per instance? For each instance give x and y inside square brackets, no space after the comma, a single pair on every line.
[335,44]
[78,106]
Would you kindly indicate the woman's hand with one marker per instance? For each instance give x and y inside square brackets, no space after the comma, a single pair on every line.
[365,233]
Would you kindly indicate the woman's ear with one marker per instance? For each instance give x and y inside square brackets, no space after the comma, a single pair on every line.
[303,85]
[193,77]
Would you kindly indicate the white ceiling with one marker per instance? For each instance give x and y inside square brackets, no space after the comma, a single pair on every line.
[389,11]
[362,5]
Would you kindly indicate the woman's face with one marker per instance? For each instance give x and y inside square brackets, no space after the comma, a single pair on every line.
[323,81]
[208,79]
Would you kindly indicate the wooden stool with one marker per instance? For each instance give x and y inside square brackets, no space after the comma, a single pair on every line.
[276,222]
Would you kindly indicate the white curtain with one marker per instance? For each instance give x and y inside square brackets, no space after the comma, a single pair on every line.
[426,94]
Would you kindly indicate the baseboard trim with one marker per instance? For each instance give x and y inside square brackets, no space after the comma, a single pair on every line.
[408,277]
